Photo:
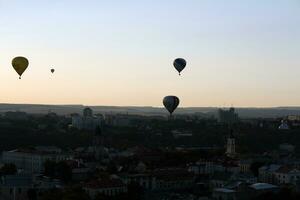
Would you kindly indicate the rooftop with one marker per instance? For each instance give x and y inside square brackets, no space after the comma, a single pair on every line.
[107,183]
[224,190]
[263,186]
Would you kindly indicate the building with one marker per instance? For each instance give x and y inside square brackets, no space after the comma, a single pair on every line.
[31,160]
[144,180]
[245,166]
[122,120]
[16,115]
[15,187]
[285,147]
[219,179]
[293,117]
[266,173]
[170,179]
[230,146]
[202,168]
[259,188]
[162,179]
[287,175]
[87,121]
[224,194]
[109,187]
[227,116]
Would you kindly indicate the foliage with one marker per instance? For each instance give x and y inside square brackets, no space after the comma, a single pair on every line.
[60,170]
[75,193]
[255,166]
[8,169]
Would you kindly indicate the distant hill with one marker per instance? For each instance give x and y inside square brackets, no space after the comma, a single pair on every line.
[205,111]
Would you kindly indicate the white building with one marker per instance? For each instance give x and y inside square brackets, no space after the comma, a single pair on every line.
[230,146]
[31,160]
[266,173]
[287,175]
[16,187]
[110,187]
[170,179]
[202,167]
[144,180]
[88,121]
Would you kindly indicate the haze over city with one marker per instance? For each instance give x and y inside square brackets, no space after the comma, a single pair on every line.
[241,53]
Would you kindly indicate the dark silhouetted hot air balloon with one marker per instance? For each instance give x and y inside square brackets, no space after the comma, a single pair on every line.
[20,64]
[179,64]
[52,71]
[171,103]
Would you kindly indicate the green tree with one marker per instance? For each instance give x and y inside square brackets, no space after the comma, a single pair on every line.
[8,169]
[53,194]
[31,194]
[135,191]
[75,194]
[60,170]
[255,166]
[49,168]
[63,171]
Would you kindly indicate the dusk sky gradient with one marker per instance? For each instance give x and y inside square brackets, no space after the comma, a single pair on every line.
[120,52]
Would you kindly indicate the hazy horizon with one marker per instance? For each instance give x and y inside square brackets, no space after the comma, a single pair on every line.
[141,106]
[116,53]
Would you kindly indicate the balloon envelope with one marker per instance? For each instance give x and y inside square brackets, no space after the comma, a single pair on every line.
[179,64]
[20,64]
[171,103]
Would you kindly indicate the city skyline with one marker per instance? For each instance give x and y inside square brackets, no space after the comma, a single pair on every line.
[243,54]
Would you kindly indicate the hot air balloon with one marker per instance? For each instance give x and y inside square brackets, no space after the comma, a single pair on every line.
[179,64]
[20,64]
[52,71]
[171,103]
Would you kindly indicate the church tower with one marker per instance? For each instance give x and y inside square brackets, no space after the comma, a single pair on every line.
[230,146]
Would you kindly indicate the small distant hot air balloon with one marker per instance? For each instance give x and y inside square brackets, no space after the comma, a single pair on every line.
[171,103]
[52,71]
[179,64]
[20,64]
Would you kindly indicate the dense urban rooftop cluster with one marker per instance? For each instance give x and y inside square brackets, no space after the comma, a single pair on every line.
[122,156]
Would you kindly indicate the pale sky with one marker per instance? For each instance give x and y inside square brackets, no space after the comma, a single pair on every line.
[120,52]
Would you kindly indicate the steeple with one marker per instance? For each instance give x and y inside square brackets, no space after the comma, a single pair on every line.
[230,146]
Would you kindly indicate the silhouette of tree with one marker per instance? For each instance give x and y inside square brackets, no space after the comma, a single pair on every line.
[8,169]
[255,166]
[31,194]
